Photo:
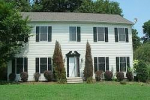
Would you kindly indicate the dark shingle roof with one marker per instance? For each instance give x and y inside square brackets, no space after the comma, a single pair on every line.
[75,17]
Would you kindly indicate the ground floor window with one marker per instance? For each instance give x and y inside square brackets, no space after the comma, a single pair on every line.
[43,64]
[19,65]
[101,63]
[122,63]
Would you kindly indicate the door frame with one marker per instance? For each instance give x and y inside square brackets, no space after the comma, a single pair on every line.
[77,55]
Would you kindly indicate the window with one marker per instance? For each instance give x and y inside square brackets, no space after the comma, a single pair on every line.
[19,65]
[100,34]
[121,34]
[101,63]
[43,33]
[122,63]
[74,34]
[43,64]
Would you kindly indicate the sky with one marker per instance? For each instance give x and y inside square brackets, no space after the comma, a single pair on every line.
[139,9]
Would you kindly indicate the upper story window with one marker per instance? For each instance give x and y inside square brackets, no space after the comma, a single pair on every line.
[19,65]
[122,63]
[75,34]
[100,34]
[121,34]
[43,33]
[43,64]
[101,63]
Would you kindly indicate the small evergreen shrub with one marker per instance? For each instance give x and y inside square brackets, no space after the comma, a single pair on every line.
[142,71]
[98,75]
[48,75]
[129,76]
[12,77]
[89,80]
[108,75]
[37,76]
[24,76]
[120,76]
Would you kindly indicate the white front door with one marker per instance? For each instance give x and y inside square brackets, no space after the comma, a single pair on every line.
[72,67]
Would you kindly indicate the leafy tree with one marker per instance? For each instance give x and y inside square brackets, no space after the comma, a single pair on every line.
[14,31]
[143,53]
[135,39]
[88,69]
[146,30]
[58,64]
[22,5]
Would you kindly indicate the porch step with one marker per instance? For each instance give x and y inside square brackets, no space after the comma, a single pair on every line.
[74,80]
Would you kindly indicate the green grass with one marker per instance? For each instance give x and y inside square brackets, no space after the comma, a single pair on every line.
[98,91]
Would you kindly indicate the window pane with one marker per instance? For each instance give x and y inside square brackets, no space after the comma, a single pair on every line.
[122,64]
[102,63]
[43,64]
[72,33]
[121,34]
[19,65]
[43,33]
[25,64]
[101,32]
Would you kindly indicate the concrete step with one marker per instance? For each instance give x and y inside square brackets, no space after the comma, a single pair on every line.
[74,80]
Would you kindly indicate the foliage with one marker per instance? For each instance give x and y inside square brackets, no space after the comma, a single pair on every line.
[98,75]
[108,75]
[88,69]
[14,31]
[58,64]
[12,77]
[100,6]
[37,76]
[24,76]
[146,30]
[135,39]
[120,76]
[123,82]
[89,80]
[3,72]
[143,53]
[142,71]
[129,76]
[48,75]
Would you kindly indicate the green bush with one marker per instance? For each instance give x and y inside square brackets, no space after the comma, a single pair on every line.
[89,80]
[48,75]
[24,76]
[142,71]
[12,77]
[37,76]
[108,75]
[3,72]
[120,76]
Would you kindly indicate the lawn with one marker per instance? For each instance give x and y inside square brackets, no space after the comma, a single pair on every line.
[97,91]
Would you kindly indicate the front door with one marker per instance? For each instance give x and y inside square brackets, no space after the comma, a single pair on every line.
[72,67]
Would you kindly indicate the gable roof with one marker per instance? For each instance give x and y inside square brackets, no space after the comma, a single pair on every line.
[76,17]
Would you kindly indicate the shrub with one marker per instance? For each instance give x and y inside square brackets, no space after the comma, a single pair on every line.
[120,76]
[48,75]
[98,75]
[37,76]
[12,77]
[123,82]
[24,76]
[142,71]
[3,72]
[108,75]
[89,80]
[129,76]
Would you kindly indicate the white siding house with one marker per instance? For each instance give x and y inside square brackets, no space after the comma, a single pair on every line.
[110,37]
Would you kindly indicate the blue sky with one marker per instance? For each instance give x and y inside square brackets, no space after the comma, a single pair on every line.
[139,9]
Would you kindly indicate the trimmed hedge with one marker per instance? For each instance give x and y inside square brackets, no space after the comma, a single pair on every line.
[37,76]
[108,75]
[48,75]
[120,76]
[24,76]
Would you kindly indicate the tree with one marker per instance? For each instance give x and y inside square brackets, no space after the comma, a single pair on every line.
[146,30]
[58,64]
[143,53]
[88,69]
[135,39]
[14,31]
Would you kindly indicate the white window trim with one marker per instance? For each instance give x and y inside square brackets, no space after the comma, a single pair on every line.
[98,63]
[126,64]
[76,33]
[119,35]
[40,34]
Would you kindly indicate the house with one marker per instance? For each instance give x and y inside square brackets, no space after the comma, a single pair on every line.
[110,37]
